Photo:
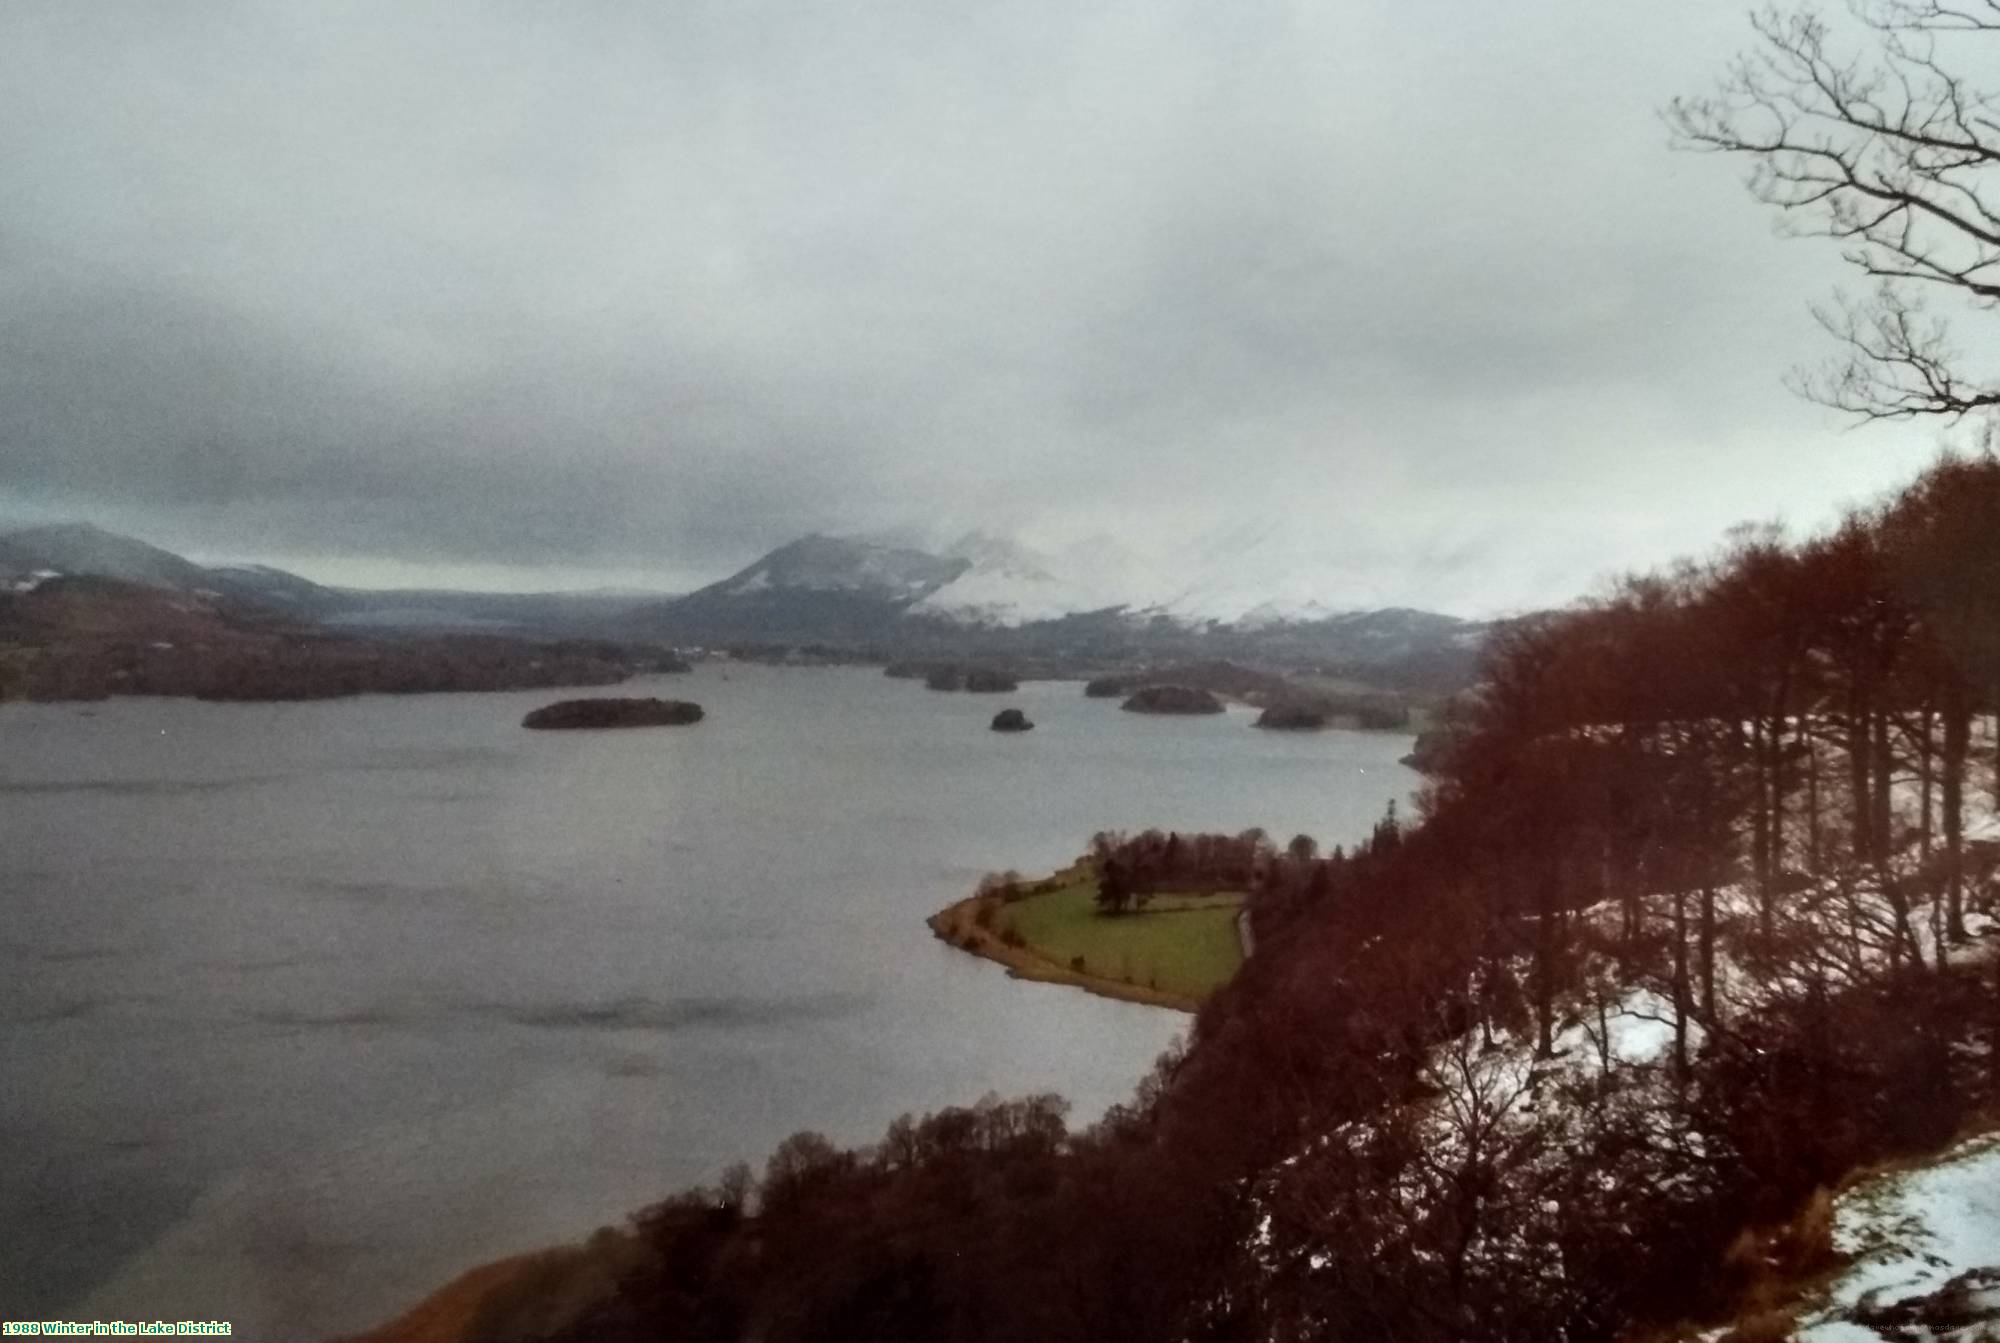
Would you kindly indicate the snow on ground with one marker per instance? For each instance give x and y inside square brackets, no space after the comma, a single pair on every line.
[1637,1030]
[1911,1235]
[1925,1246]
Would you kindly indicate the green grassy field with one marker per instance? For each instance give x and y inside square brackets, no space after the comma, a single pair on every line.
[1180,943]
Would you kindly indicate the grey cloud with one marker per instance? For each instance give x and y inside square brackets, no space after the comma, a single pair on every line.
[666,285]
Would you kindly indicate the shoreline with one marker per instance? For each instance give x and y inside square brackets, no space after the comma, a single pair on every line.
[448,1313]
[957,926]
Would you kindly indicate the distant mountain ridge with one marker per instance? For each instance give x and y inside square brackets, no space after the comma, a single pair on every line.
[816,588]
[991,594]
[992,581]
[987,595]
[835,564]
[82,550]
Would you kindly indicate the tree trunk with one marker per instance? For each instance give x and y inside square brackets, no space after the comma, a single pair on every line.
[1951,805]
[1603,1037]
[1814,847]
[1778,774]
[1708,1014]
[1851,899]
[1882,825]
[1680,986]
[1616,881]
[1926,760]
[1993,1046]
[1546,933]
[1857,778]
[1882,829]
[1760,826]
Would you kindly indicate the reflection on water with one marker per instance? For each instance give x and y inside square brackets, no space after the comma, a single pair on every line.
[132,787]
[304,1008]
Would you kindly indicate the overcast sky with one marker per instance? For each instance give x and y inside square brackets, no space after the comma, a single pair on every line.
[554,294]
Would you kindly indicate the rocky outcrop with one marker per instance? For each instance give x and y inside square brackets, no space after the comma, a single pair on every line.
[1172,699]
[601,713]
[1011,720]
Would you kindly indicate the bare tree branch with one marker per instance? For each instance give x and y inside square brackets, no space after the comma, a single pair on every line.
[1896,157]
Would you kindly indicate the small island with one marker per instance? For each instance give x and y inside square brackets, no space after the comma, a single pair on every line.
[1012,720]
[607,713]
[977,680]
[1293,718]
[1172,699]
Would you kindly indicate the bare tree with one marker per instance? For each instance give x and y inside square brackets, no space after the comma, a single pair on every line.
[1895,154]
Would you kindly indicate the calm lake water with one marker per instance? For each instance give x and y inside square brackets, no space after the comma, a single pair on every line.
[306,1008]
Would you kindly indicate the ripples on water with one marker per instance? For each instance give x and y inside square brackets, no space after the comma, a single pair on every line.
[304,1008]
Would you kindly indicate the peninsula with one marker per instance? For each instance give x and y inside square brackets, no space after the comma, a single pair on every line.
[1172,951]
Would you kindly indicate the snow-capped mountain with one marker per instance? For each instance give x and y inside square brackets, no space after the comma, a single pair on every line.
[982,579]
[1241,579]
[1091,597]
[1007,584]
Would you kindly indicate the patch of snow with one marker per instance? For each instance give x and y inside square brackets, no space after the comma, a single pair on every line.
[1638,1030]
[1909,1234]
[1008,583]
[1266,615]
[35,579]
[1235,575]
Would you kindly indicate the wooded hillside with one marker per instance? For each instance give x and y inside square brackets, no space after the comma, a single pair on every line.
[1695,919]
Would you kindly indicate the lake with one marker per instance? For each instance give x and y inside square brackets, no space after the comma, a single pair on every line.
[305,1008]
